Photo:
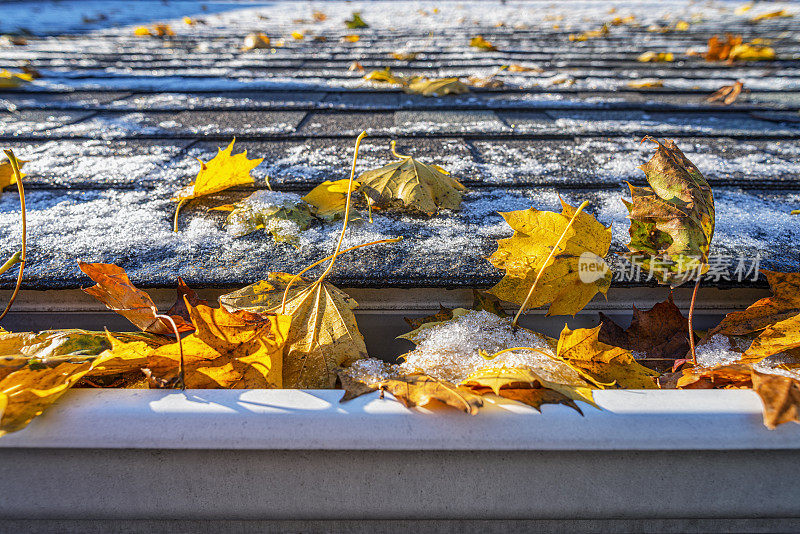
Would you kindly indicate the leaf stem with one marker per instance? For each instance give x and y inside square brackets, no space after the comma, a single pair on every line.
[22,255]
[341,235]
[691,320]
[393,146]
[177,209]
[12,261]
[181,373]
[524,305]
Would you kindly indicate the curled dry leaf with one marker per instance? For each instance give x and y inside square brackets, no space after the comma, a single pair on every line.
[404,56]
[412,185]
[385,76]
[323,335]
[235,350]
[592,34]
[114,289]
[156,30]
[727,94]
[672,221]
[780,396]
[524,254]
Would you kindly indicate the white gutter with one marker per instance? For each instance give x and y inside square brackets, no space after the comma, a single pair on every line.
[315,420]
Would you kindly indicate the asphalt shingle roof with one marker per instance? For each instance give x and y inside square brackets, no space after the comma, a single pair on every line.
[114,125]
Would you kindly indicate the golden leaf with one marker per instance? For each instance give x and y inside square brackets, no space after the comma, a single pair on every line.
[351,38]
[781,13]
[656,57]
[234,350]
[255,41]
[36,369]
[323,335]
[604,363]
[384,76]
[559,377]
[7,177]
[329,198]
[479,42]
[412,185]
[645,84]
[727,94]
[222,172]
[751,52]
[404,56]
[436,87]
[523,255]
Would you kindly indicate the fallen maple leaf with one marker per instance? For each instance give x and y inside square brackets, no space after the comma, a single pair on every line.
[606,364]
[319,16]
[222,172]
[36,369]
[781,13]
[521,68]
[385,76]
[780,396]
[479,42]
[356,21]
[404,56]
[412,185]
[157,30]
[7,177]
[672,221]
[719,50]
[645,84]
[351,38]
[235,350]
[117,292]
[436,86]
[727,94]
[10,80]
[546,242]
[751,52]
[656,57]
[255,41]
[324,334]
[659,334]
[592,34]
[558,378]
[328,199]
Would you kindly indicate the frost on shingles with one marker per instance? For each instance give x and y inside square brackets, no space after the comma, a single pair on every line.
[449,351]
[95,162]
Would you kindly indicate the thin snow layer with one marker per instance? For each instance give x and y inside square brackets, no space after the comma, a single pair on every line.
[450,351]
[134,229]
[724,350]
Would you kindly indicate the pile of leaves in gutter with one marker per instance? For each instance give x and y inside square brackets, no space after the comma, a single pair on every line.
[289,331]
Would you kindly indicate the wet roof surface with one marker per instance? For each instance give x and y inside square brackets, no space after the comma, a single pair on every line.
[113,128]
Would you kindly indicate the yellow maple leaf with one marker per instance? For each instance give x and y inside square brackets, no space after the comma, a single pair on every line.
[324,334]
[781,13]
[479,42]
[351,38]
[546,245]
[7,177]
[255,41]
[656,57]
[328,199]
[751,52]
[412,185]
[436,86]
[234,350]
[604,363]
[222,172]
[298,35]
